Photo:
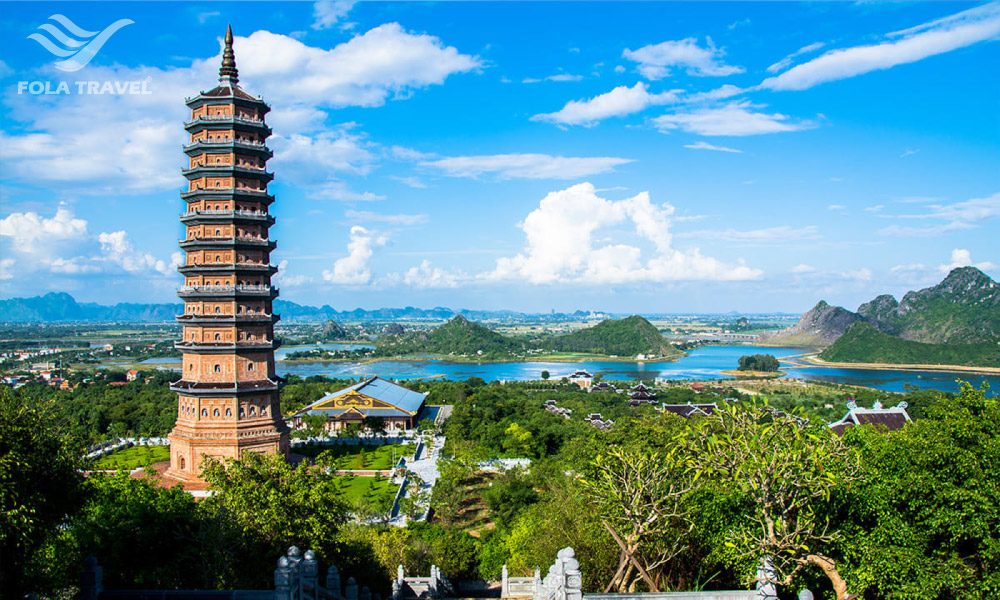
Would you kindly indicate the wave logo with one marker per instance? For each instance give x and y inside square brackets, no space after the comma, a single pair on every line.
[73,43]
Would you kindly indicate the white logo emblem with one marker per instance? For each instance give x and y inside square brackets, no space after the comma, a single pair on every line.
[72,43]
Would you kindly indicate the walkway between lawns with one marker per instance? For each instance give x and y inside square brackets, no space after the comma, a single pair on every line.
[427,469]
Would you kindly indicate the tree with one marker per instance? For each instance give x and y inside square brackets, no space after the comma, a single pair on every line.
[376,425]
[785,467]
[640,495]
[39,486]
[546,375]
[925,519]
[274,505]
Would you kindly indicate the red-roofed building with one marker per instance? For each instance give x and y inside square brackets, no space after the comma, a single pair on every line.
[132,375]
[885,419]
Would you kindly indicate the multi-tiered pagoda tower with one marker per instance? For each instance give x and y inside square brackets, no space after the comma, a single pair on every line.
[227,397]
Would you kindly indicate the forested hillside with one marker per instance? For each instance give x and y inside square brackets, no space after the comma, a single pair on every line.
[623,337]
[863,343]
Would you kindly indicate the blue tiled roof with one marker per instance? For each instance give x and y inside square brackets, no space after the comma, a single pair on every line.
[379,389]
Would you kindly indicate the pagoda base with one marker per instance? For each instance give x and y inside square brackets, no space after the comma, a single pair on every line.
[188,451]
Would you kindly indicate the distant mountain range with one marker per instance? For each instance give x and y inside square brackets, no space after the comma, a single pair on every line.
[963,309]
[57,307]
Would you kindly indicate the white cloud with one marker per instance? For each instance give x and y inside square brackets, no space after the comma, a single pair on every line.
[353,269]
[412,182]
[30,232]
[803,268]
[371,217]
[429,276]
[655,60]
[285,279]
[119,250]
[943,35]
[736,119]
[702,145]
[909,153]
[784,63]
[720,93]
[525,166]
[339,190]
[621,101]
[876,208]
[757,237]
[6,266]
[556,77]
[963,258]
[560,245]
[836,207]
[619,69]
[327,13]
[68,142]
[953,217]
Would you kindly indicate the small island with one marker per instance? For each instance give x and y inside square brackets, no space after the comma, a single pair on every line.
[756,366]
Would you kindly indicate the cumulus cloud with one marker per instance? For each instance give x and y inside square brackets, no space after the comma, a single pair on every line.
[62,245]
[963,258]
[561,246]
[31,233]
[525,166]
[655,60]
[67,141]
[428,276]
[936,37]
[556,77]
[285,279]
[621,101]
[353,269]
[702,145]
[119,250]
[736,119]
[803,268]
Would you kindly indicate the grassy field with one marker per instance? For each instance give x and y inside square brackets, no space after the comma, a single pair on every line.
[360,457]
[356,488]
[136,456]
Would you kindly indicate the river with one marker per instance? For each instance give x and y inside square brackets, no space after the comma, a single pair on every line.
[706,362]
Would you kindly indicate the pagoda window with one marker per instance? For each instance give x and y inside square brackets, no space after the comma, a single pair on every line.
[243,413]
[215,413]
[204,412]
[263,411]
[218,368]
[253,410]
[250,368]
[217,310]
[218,337]
[183,464]
[229,412]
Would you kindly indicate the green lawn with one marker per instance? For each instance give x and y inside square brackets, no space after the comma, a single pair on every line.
[360,457]
[136,456]
[356,488]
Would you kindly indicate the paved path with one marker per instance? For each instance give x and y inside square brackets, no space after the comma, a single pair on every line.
[427,469]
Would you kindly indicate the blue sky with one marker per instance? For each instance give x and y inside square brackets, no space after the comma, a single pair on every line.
[630,157]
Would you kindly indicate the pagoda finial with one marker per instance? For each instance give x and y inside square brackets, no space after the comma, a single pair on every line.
[228,73]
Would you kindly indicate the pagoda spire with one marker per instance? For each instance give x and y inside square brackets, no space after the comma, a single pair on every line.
[228,73]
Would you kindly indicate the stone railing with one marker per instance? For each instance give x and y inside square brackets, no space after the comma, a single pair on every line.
[518,587]
[436,585]
[564,581]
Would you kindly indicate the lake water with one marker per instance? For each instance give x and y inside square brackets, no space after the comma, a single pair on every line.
[703,363]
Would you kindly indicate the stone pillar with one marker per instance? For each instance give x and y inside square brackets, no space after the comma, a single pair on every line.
[333,583]
[504,583]
[309,574]
[91,579]
[283,580]
[365,594]
[351,591]
[574,577]
[433,581]
[767,588]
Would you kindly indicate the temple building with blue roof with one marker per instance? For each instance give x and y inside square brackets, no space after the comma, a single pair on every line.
[369,398]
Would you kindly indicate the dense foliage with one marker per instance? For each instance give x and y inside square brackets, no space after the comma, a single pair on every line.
[458,336]
[862,342]
[623,337]
[759,362]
